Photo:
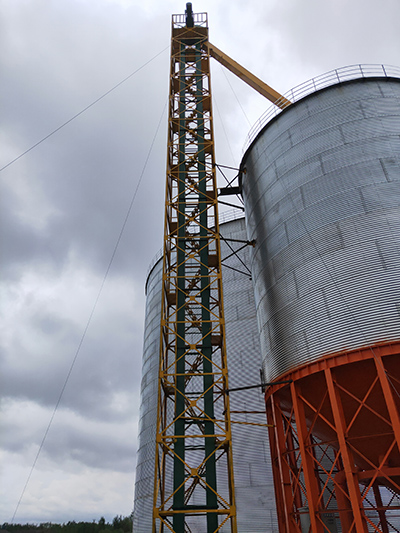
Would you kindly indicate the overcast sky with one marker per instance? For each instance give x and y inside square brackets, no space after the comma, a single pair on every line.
[64,203]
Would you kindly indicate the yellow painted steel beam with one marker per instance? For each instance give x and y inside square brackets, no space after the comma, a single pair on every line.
[242,73]
[193,482]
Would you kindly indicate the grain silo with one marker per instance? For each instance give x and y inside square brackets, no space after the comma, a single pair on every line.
[252,465]
[321,184]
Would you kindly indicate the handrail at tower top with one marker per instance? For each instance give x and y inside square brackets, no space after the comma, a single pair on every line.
[200,19]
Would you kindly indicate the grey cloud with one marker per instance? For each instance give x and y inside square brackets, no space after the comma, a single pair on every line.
[104,367]
[74,440]
[109,449]
[63,205]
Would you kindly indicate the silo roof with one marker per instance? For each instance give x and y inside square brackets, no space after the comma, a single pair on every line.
[328,79]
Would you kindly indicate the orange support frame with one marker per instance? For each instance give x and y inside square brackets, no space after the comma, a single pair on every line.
[335,443]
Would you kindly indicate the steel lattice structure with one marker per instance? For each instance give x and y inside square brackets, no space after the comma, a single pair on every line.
[193,420]
[335,443]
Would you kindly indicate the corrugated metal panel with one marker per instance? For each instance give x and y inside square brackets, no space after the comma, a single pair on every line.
[148,407]
[322,198]
[252,465]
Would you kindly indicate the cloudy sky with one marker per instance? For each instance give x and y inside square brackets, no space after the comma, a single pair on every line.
[67,301]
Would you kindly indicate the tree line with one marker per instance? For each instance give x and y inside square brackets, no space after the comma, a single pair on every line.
[120,524]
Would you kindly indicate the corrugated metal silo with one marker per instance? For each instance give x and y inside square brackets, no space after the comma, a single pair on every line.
[321,186]
[252,465]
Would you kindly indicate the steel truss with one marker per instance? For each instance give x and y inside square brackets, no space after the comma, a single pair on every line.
[194,473]
[336,444]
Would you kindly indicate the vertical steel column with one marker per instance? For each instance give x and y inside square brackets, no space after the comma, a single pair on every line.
[179,445]
[281,471]
[343,502]
[381,510]
[208,379]
[388,394]
[348,462]
[193,419]
[307,460]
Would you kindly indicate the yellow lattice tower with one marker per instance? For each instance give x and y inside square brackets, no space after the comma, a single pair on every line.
[194,475]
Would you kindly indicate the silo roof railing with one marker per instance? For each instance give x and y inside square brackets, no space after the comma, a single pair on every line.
[333,77]
[229,215]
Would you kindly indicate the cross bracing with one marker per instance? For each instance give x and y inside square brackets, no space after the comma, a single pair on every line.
[194,474]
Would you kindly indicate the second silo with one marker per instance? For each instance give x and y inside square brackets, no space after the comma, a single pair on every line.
[321,185]
[251,461]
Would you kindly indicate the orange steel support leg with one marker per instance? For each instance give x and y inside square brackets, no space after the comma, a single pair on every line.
[347,458]
[381,511]
[292,462]
[282,482]
[388,393]
[335,442]
[307,460]
[343,502]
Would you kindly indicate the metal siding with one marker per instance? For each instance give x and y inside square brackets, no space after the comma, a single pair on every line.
[323,203]
[252,465]
[142,518]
